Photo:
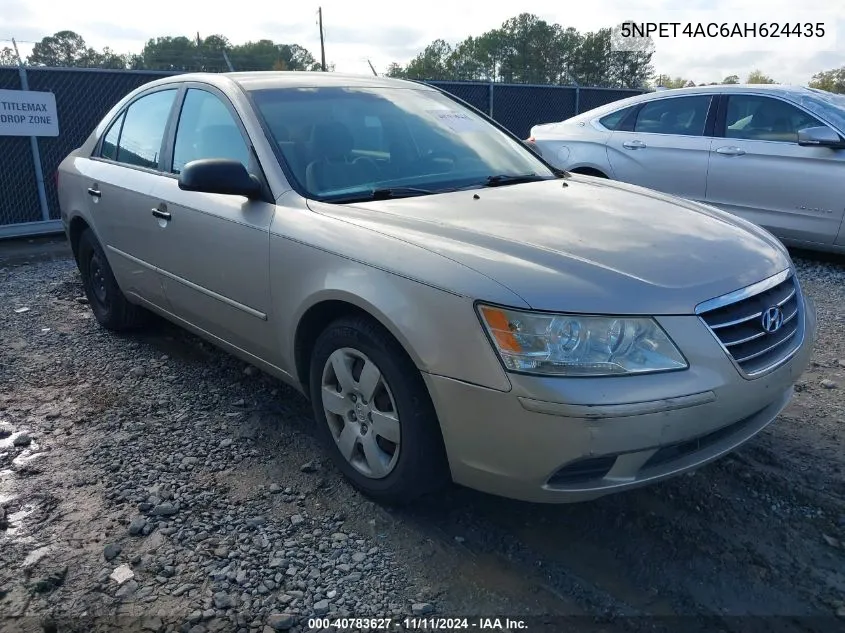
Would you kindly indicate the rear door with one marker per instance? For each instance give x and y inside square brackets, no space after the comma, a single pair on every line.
[758,170]
[215,248]
[664,144]
[120,179]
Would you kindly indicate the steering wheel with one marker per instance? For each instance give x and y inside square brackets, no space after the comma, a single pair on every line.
[370,163]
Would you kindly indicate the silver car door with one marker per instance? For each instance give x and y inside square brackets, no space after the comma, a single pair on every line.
[758,170]
[215,248]
[120,178]
[665,147]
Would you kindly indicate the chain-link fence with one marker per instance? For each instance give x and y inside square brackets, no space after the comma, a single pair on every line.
[85,95]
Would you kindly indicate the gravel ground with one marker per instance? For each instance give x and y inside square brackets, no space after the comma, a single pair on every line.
[151,482]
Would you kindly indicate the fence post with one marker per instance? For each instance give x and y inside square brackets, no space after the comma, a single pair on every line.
[36,154]
[577,99]
[490,97]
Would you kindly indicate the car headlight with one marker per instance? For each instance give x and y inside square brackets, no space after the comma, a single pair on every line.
[575,345]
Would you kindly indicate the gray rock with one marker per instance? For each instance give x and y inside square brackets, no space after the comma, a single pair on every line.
[359,557]
[308,467]
[164,510]
[828,384]
[422,608]
[23,439]
[112,551]
[296,519]
[137,372]
[223,600]
[137,525]
[275,489]
[181,590]
[281,621]
[226,443]
[321,607]
[126,589]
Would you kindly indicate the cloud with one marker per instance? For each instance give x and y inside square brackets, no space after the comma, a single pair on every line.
[114,32]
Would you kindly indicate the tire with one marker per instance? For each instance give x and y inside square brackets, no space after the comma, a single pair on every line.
[108,303]
[391,463]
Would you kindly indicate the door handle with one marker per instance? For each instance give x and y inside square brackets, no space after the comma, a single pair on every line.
[93,191]
[161,213]
[730,151]
[633,144]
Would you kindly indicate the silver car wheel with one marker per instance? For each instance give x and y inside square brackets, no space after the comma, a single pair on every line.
[361,412]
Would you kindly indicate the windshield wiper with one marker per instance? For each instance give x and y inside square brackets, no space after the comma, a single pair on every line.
[386,193]
[510,179]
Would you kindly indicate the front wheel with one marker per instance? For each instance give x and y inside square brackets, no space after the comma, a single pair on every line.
[374,413]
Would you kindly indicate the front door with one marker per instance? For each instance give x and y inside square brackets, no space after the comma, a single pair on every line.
[758,171]
[215,260]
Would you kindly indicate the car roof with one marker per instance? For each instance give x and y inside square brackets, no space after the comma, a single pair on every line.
[260,80]
[783,90]
[796,94]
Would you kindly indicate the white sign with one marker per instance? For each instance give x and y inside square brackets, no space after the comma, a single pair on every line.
[28,113]
[455,121]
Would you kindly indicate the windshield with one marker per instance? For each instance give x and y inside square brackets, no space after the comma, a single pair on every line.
[343,141]
[826,105]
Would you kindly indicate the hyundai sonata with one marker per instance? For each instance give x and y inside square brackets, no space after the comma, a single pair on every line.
[454,307]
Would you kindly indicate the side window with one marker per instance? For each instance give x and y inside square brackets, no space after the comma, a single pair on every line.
[676,115]
[109,147]
[207,130]
[611,121]
[143,129]
[765,119]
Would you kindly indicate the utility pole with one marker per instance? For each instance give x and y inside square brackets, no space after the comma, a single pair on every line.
[371,68]
[322,43]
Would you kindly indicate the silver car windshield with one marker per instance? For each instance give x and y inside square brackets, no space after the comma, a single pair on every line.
[339,142]
[826,105]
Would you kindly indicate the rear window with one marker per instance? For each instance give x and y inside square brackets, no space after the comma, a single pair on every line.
[613,120]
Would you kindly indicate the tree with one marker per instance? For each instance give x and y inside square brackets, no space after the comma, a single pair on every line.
[395,70]
[8,57]
[432,63]
[267,55]
[527,49]
[64,48]
[668,82]
[731,79]
[830,80]
[757,77]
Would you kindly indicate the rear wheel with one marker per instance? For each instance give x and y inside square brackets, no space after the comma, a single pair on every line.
[108,303]
[374,413]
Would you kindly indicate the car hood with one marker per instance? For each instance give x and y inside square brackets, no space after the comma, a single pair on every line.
[582,244]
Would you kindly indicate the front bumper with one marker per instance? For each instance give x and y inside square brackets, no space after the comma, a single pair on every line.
[561,440]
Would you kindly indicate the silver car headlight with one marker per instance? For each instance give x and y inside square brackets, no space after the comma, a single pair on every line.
[575,345]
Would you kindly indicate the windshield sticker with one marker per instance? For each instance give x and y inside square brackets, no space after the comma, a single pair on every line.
[455,121]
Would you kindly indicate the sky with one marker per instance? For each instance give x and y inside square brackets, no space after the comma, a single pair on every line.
[386,31]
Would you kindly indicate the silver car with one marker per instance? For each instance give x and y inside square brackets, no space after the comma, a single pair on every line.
[774,155]
[454,307]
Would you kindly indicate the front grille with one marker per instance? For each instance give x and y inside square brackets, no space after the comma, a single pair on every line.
[737,321]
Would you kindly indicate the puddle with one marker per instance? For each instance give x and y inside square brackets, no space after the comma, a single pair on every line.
[36,555]
[16,519]
[9,442]
[26,457]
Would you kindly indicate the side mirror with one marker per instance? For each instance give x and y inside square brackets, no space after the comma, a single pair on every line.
[533,147]
[820,136]
[219,175]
